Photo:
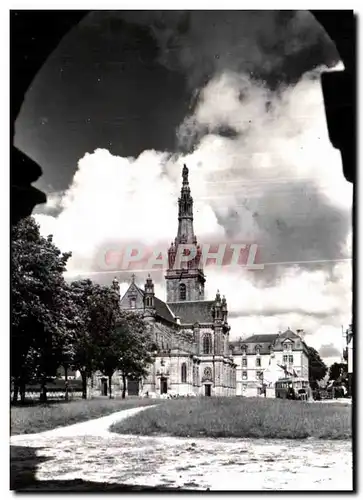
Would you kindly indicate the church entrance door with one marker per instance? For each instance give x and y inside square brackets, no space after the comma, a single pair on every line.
[207,390]
[104,387]
[163,385]
[132,387]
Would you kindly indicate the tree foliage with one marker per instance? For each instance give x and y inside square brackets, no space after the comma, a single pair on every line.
[317,367]
[38,299]
[132,347]
[338,371]
[77,325]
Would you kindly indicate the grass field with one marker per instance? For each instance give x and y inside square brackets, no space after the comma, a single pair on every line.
[38,418]
[241,417]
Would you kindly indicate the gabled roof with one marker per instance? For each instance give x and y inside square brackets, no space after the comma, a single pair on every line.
[192,312]
[288,334]
[135,291]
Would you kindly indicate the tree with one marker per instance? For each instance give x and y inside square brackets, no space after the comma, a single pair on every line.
[38,294]
[317,367]
[104,306]
[338,371]
[135,347]
[81,346]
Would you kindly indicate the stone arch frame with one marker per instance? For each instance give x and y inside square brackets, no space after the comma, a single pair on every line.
[207,343]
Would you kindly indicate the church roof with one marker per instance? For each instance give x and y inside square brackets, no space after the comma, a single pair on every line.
[193,312]
[163,310]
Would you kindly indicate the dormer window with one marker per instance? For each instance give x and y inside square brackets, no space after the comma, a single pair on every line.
[258,350]
[244,350]
[287,347]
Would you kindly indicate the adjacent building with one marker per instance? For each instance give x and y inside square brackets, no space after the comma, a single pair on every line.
[253,356]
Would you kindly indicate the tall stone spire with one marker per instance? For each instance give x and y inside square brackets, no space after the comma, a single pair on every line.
[185,215]
[186,282]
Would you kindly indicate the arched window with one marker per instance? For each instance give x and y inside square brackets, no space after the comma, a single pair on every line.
[183,372]
[182,291]
[207,343]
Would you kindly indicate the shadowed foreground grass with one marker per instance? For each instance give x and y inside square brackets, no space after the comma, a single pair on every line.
[32,419]
[241,417]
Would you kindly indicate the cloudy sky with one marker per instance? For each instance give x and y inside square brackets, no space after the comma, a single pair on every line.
[128,97]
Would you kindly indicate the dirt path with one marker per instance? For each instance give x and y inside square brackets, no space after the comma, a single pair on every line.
[89,452]
[94,427]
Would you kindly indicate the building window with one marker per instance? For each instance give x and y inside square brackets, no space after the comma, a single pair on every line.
[258,361]
[287,347]
[258,350]
[244,375]
[285,358]
[208,373]
[207,343]
[132,302]
[244,387]
[259,375]
[182,291]
[184,373]
[291,360]
[244,361]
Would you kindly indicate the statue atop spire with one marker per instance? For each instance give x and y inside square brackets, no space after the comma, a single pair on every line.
[185,175]
[185,209]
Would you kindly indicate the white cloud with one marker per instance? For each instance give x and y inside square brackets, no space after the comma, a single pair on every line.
[279,183]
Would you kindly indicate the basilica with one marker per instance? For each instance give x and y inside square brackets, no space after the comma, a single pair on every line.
[193,355]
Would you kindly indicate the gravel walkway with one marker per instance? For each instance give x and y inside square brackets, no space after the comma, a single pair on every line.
[89,452]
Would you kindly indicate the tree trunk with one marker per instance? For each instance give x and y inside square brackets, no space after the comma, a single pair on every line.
[124,386]
[84,385]
[16,392]
[110,386]
[22,392]
[66,381]
[43,390]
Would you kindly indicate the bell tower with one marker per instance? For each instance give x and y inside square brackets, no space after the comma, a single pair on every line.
[185,278]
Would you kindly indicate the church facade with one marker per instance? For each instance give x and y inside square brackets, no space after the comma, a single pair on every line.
[191,334]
